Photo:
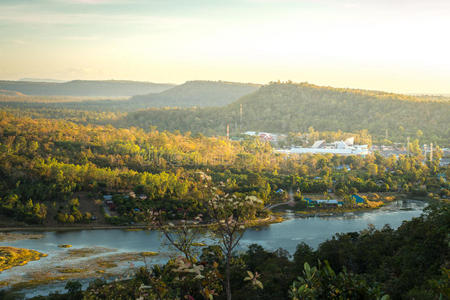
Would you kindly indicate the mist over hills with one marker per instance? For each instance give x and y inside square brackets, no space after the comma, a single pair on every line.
[208,106]
[41,80]
[288,107]
[198,93]
[189,94]
[87,88]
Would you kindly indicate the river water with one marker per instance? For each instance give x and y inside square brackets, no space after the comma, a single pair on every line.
[287,235]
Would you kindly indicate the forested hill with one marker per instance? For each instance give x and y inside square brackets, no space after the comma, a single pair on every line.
[198,93]
[287,107]
[91,88]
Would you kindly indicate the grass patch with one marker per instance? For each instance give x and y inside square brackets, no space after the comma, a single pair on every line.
[36,282]
[71,270]
[149,253]
[199,244]
[11,237]
[84,252]
[3,283]
[12,257]
[106,264]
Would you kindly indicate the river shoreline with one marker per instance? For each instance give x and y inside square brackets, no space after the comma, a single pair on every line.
[259,222]
[118,242]
[275,217]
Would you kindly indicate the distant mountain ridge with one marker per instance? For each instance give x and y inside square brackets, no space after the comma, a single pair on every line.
[88,88]
[42,80]
[289,107]
[198,93]
[189,94]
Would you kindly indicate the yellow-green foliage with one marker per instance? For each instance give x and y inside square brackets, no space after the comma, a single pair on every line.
[149,253]
[288,107]
[106,264]
[64,246]
[11,257]
[374,204]
[36,282]
[71,270]
[389,198]
[84,252]
[199,244]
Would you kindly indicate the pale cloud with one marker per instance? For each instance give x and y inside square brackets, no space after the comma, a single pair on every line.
[94,1]
[382,44]
[23,15]
[19,42]
[81,72]
[81,38]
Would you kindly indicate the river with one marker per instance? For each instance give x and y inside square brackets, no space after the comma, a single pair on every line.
[117,243]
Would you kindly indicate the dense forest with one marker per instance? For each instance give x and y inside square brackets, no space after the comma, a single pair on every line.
[91,88]
[55,155]
[45,164]
[287,107]
[198,93]
[277,107]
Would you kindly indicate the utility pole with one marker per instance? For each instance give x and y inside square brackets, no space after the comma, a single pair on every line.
[228,131]
[431,152]
[407,145]
[240,118]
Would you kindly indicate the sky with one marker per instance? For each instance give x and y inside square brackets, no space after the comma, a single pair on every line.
[392,45]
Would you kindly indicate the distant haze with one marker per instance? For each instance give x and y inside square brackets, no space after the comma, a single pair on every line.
[41,80]
[399,46]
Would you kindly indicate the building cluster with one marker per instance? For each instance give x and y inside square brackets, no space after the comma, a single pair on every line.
[346,147]
[395,149]
[358,200]
[109,202]
[266,136]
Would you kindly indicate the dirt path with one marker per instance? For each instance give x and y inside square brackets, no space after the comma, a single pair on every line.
[87,204]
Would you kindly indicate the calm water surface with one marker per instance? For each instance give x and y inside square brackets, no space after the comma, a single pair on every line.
[285,235]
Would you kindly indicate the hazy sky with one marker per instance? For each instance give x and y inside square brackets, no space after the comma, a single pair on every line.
[394,45]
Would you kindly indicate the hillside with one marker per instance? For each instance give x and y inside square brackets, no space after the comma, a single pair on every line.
[10,93]
[91,88]
[291,107]
[189,94]
[198,93]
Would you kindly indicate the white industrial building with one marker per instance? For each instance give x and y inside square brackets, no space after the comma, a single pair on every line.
[346,147]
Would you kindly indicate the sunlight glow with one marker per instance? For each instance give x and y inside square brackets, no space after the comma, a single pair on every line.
[367,44]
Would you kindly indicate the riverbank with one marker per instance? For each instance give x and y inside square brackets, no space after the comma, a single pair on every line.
[114,253]
[273,218]
[37,228]
[12,237]
[374,201]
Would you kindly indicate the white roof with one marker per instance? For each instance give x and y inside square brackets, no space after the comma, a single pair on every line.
[350,141]
[327,201]
[317,144]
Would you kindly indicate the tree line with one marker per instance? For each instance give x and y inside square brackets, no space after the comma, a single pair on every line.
[48,161]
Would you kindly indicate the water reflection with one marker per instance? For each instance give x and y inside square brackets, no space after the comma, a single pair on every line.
[287,235]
